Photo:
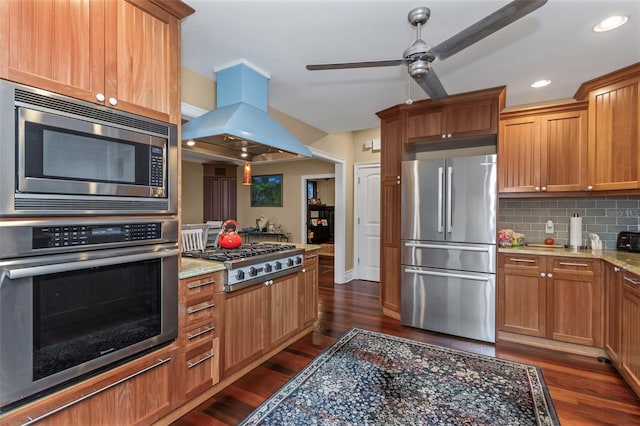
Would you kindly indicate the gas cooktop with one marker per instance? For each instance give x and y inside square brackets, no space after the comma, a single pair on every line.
[242,252]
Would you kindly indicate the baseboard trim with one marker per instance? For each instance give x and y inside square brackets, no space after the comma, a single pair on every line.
[505,336]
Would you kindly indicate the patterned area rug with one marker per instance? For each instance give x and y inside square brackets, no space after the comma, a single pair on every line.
[369,378]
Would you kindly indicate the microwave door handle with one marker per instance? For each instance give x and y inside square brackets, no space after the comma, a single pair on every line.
[449,201]
[32,271]
[440,196]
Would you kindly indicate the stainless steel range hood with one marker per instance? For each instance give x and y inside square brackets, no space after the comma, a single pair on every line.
[241,124]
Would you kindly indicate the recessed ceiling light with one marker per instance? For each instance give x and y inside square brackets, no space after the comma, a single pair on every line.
[244,155]
[191,143]
[610,23]
[541,83]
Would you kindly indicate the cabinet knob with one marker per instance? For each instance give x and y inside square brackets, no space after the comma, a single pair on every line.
[449,135]
[537,188]
[544,188]
[100,97]
[589,188]
[444,136]
[616,269]
[550,275]
[113,101]
[304,269]
[542,274]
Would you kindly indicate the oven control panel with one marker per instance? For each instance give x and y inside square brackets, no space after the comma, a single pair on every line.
[82,235]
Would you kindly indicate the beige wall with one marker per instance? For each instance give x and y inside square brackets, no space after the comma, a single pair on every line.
[199,90]
[192,193]
[326,189]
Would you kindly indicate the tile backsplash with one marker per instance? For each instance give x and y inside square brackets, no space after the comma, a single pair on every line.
[605,216]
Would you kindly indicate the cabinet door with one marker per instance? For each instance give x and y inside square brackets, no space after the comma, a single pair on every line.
[244,314]
[54,45]
[283,316]
[309,289]
[142,64]
[426,124]
[631,330]
[220,198]
[614,132]
[519,155]
[574,301]
[472,118]
[613,312]
[563,160]
[522,294]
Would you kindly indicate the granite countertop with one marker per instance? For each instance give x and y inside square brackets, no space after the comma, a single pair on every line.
[192,267]
[622,259]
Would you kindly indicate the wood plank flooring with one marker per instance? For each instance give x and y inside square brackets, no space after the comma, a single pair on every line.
[584,391]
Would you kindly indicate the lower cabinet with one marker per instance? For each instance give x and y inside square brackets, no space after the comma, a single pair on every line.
[630,359]
[138,393]
[309,289]
[613,312]
[558,298]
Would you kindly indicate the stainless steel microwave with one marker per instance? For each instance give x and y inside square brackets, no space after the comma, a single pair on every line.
[62,156]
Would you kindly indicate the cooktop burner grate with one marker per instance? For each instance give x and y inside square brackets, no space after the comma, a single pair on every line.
[242,252]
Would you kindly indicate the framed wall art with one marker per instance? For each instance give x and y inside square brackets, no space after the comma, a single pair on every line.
[266,191]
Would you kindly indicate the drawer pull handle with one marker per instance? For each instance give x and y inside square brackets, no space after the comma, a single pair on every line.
[202,308]
[192,286]
[200,333]
[584,265]
[97,391]
[632,281]
[523,260]
[203,359]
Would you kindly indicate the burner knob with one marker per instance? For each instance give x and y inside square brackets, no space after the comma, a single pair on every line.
[253,272]
[268,268]
[278,265]
[240,275]
[289,262]
[298,260]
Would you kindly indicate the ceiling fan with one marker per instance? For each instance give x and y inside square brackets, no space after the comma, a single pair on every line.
[419,55]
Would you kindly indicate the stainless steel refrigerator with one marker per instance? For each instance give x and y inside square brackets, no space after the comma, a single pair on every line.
[449,245]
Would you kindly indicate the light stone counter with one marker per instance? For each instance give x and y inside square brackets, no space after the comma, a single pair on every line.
[622,259]
[193,267]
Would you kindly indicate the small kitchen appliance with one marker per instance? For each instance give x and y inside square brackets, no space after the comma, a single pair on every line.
[628,241]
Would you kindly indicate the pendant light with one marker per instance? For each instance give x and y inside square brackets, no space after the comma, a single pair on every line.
[246,174]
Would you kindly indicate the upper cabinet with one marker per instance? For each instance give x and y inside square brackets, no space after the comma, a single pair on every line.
[124,54]
[460,116]
[614,129]
[543,149]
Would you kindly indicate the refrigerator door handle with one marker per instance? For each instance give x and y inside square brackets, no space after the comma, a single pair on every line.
[449,213]
[447,247]
[446,274]
[440,206]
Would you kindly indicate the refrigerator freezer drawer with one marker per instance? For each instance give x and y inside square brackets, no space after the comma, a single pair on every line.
[451,302]
[458,256]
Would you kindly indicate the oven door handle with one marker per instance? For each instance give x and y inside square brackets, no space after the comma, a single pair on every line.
[16,273]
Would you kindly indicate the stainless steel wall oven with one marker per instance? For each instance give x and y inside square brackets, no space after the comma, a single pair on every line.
[76,297]
[61,156]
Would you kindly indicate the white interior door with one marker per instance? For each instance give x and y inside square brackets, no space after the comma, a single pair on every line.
[367,218]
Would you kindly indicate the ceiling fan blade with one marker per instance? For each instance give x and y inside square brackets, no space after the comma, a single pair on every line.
[346,65]
[431,84]
[486,26]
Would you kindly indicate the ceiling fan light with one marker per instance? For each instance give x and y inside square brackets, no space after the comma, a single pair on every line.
[418,69]
[540,83]
[611,23]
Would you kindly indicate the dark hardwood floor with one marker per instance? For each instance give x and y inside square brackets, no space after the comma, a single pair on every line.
[584,391]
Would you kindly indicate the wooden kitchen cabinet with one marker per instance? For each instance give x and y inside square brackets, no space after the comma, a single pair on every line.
[283,318]
[199,310]
[457,117]
[391,132]
[137,393]
[522,294]
[558,298]
[123,54]
[614,129]
[244,316]
[630,360]
[309,289]
[543,149]
[613,312]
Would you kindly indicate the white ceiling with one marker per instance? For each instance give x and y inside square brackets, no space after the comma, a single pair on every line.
[555,42]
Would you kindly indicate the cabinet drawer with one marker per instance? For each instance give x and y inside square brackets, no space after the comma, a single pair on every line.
[201,285]
[193,335]
[201,368]
[520,260]
[576,265]
[200,309]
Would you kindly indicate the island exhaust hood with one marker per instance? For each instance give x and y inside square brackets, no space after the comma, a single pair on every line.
[240,127]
